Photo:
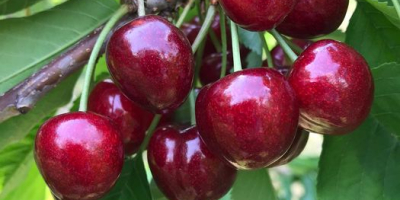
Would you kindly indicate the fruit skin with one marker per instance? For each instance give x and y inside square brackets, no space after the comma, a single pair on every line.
[314,18]
[151,61]
[183,167]
[298,145]
[257,15]
[211,67]
[334,87]
[80,155]
[249,117]
[132,121]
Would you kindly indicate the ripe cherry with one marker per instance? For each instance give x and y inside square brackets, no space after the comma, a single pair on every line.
[257,15]
[132,121]
[210,70]
[151,61]
[279,57]
[334,87]
[314,18]
[183,167]
[80,155]
[249,117]
[298,145]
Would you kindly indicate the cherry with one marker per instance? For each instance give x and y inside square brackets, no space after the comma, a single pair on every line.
[249,117]
[210,70]
[279,57]
[80,155]
[314,18]
[183,167]
[107,100]
[151,61]
[295,149]
[334,87]
[257,15]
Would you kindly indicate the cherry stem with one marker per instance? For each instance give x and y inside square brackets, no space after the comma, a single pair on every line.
[222,21]
[237,62]
[204,28]
[286,48]
[397,6]
[184,13]
[149,133]
[267,51]
[192,101]
[141,8]
[198,6]
[95,54]
[294,46]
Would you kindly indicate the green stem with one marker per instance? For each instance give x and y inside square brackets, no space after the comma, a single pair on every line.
[294,46]
[289,52]
[198,61]
[150,132]
[204,28]
[141,8]
[396,4]
[184,13]
[214,40]
[192,101]
[237,62]
[198,6]
[95,54]
[267,51]
[224,42]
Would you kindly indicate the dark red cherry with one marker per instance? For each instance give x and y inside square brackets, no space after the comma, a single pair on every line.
[183,167]
[257,15]
[279,57]
[80,155]
[151,61]
[334,87]
[298,145]
[131,120]
[314,18]
[249,117]
[210,70]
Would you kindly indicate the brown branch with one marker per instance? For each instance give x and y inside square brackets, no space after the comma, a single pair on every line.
[22,98]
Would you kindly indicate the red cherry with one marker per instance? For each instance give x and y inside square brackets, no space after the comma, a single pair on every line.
[151,61]
[132,121]
[298,145]
[334,86]
[80,155]
[257,15]
[183,167]
[314,18]
[249,117]
[279,57]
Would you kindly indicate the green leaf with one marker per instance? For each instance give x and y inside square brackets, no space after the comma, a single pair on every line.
[132,184]
[387,8]
[253,60]
[386,109]
[32,188]
[371,34]
[29,43]
[15,162]
[16,128]
[251,40]
[254,185]
[10,6]
[362,165]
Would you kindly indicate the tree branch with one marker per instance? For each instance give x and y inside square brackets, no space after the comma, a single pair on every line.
[22,98]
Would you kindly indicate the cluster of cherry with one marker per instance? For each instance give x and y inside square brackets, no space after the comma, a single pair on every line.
[250,119]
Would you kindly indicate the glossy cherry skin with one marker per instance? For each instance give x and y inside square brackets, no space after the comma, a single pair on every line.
[131,120]
[211,67]
[184,168]
[298,145]
[279,57]
[151,61]
[314,18]
[249,117]
[257,15]
[80,155]
[334,87]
